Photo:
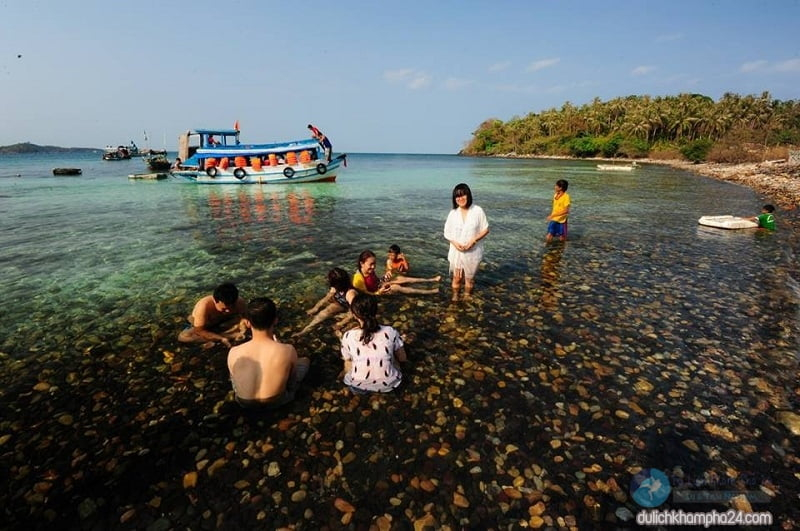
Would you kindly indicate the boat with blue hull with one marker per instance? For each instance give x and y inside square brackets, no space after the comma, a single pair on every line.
[217,156]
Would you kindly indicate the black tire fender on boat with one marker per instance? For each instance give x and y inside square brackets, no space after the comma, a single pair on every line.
[321,168]
[288,172]
[239,173]
[212,171]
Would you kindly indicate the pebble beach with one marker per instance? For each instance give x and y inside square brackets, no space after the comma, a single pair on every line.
[573,369]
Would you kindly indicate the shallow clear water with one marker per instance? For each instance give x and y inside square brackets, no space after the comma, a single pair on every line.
[99,273]
[79,245]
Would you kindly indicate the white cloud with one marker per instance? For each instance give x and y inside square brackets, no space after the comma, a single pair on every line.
[642,70]
[790,65]
[497,67]
[419,80]
[454,83]
[752,66]
[413,79]
[543,63]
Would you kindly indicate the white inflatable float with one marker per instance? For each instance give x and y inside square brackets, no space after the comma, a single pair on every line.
[727,222]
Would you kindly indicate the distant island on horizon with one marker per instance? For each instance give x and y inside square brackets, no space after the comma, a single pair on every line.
[27,147]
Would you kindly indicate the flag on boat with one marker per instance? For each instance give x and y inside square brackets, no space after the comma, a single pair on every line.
[236,125]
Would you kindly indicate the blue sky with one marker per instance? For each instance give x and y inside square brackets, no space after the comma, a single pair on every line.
[400,77]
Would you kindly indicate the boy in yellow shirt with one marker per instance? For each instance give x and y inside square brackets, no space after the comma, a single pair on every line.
[558,216]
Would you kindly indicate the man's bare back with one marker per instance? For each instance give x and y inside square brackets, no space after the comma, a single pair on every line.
[264,371]
[261,368]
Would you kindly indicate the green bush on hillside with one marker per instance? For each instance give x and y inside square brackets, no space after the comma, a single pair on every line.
[697,150]
[609,147]
[583,147]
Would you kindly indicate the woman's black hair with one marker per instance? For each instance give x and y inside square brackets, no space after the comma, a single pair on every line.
[365,309]
[394,248]
[363,258]
[339,280]
[458,191]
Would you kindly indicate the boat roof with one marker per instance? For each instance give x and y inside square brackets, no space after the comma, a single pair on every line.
[225,132]
[257,149]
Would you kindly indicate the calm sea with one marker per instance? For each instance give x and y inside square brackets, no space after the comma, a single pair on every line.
[100,263]
[77,248]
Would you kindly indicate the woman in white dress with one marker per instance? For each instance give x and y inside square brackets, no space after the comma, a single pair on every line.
[465,227]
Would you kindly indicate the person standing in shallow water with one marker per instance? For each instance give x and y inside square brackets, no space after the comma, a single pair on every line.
[465,228]
[557,226]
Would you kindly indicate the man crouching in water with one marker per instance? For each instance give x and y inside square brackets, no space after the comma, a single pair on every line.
[216,318]
[265,373]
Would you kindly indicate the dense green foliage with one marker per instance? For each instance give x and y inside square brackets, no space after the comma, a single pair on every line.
[697,150]
[735,127]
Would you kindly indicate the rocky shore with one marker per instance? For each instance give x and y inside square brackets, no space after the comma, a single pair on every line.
[777,180]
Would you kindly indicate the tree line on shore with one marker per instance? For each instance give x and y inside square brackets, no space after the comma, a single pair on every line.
[27,148]
[687,126]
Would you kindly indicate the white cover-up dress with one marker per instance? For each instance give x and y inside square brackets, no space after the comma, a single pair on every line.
[464,230]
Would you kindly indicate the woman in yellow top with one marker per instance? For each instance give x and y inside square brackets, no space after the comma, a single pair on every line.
[558,216]
[366,281]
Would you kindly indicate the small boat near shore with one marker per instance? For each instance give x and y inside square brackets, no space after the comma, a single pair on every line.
[158,163]
[120,152]
[727,222]
[151,153]
[617,167]
[216,156]
[67,171]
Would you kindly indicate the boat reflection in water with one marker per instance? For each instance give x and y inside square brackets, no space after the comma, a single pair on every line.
[230,215]
[296,207]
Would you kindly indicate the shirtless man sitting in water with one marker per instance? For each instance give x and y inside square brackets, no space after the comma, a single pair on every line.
[217,318]
[265,373]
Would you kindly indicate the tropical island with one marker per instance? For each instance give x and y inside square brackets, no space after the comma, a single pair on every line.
[689,126]
[28,148]
[753,140]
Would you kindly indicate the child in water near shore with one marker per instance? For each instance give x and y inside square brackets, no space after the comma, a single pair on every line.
[765,220]
[397,268]
[557,226]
